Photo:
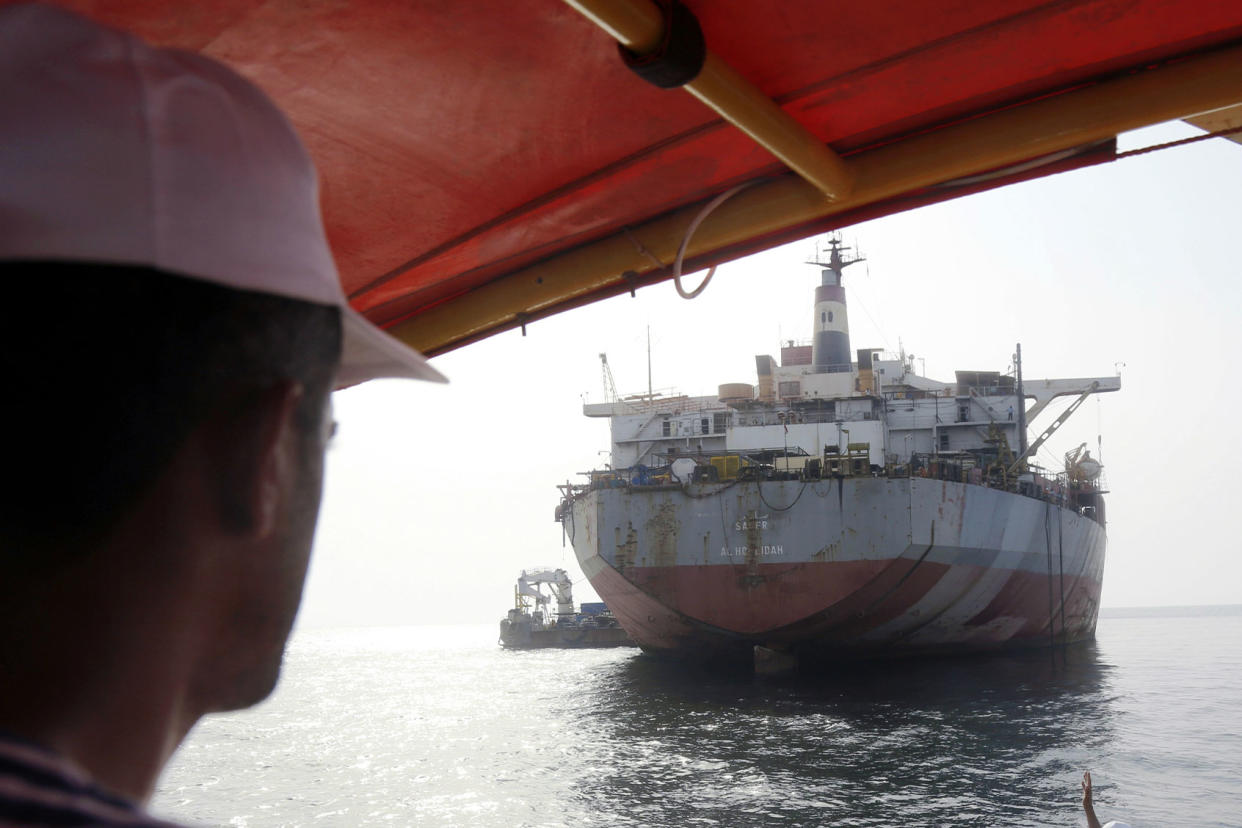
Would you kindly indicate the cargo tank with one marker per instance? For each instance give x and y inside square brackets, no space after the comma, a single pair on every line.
[842,508]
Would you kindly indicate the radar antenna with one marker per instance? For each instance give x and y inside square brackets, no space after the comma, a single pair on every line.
[832,249]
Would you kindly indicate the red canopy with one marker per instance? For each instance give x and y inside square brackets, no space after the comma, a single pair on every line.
[488,162]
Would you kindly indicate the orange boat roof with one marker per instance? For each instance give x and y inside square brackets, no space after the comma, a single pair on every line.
[486,163]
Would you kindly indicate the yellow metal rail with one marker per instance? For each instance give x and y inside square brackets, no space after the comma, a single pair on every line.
[638,26]
[991,142]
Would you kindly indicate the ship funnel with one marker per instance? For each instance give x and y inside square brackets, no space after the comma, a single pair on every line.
[765,367]
[830,348]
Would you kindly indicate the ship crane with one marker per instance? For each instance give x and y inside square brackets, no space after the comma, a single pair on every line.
[610,385]
[558,583]
[1051,429]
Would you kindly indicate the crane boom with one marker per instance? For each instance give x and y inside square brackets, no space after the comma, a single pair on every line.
[610,386]
[1051,429]
[558,582]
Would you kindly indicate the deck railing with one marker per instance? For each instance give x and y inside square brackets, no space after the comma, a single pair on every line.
[736,468]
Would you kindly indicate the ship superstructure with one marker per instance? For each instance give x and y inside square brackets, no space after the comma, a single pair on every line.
[842,506]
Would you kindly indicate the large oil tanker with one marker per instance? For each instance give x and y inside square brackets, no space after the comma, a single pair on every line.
[843,506]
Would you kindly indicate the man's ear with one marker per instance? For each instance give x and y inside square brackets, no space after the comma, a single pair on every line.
[253,444]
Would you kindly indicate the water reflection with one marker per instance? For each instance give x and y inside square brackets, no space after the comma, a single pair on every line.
[947,741]
[383,728]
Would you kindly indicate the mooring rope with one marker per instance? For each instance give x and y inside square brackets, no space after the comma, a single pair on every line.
[1052,615]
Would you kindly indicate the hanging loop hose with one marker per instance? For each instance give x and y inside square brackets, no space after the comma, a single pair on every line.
[805,483]
[685,242]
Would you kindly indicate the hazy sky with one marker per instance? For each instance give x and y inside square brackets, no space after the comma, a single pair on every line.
[437,496]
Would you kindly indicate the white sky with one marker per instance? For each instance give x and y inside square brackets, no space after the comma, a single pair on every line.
[437,496]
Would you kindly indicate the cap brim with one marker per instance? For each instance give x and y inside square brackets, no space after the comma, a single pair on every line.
[368,353]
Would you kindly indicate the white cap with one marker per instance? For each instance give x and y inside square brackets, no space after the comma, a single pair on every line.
[113,151]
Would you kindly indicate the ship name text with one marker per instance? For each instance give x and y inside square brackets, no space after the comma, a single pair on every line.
[745,551]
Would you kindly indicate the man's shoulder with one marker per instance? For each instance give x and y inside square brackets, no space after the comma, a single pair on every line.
[40,788]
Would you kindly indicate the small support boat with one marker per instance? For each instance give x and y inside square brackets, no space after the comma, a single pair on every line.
[530,625]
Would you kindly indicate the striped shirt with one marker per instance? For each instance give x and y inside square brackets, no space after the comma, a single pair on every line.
[39,788]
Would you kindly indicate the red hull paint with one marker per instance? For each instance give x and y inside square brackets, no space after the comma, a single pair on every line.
[754,598]
[843,608]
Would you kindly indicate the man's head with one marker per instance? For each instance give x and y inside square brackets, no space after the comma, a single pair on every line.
[109,368]
[173,328]
[139,396]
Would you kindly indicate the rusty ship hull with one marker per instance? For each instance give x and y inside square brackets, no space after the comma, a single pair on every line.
[839,568]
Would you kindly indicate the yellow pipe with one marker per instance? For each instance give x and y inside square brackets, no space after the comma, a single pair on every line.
[639,26]
[989,142]
[748,109]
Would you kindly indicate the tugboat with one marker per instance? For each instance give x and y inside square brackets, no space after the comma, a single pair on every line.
[529,625]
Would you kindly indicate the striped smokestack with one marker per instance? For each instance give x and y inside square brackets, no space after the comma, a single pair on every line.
[831,345]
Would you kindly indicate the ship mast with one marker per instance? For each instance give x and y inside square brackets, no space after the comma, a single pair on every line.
[830,349]
[650,393]
[1017,369]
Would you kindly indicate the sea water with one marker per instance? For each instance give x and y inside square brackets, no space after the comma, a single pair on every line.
[439,726]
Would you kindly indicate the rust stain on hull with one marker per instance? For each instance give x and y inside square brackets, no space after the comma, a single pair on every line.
[627,549]
[661,540]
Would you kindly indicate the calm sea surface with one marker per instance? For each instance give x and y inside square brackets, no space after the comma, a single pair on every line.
[438,726]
